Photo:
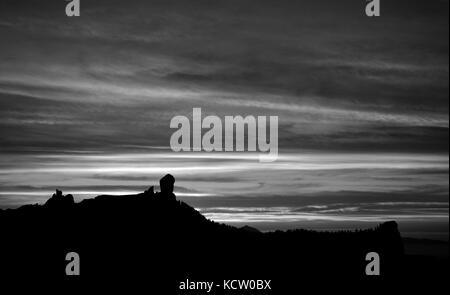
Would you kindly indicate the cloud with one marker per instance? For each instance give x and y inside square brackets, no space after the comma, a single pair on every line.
[363,105]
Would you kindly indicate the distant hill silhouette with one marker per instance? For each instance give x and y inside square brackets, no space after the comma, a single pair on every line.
[154,238]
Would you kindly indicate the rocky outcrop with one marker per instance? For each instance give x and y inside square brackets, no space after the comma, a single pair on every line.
[58,200]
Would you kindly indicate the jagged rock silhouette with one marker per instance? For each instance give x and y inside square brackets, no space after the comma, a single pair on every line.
[58,200]
[154,238]
[150,192]
[167,185]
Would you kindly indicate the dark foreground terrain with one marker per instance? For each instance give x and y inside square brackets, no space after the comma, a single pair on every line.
[154,242]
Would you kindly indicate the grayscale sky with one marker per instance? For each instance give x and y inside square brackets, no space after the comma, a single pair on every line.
[85,106]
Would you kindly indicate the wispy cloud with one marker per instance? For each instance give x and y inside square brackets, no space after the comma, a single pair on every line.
[86,103]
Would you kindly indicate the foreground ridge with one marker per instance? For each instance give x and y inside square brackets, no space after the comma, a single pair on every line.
[153,235]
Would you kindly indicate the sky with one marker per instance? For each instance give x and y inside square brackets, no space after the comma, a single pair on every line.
[86,104]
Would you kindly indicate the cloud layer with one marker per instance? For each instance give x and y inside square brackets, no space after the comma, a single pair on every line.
[85,103]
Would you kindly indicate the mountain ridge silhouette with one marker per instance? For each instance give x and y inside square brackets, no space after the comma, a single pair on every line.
[154,235]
